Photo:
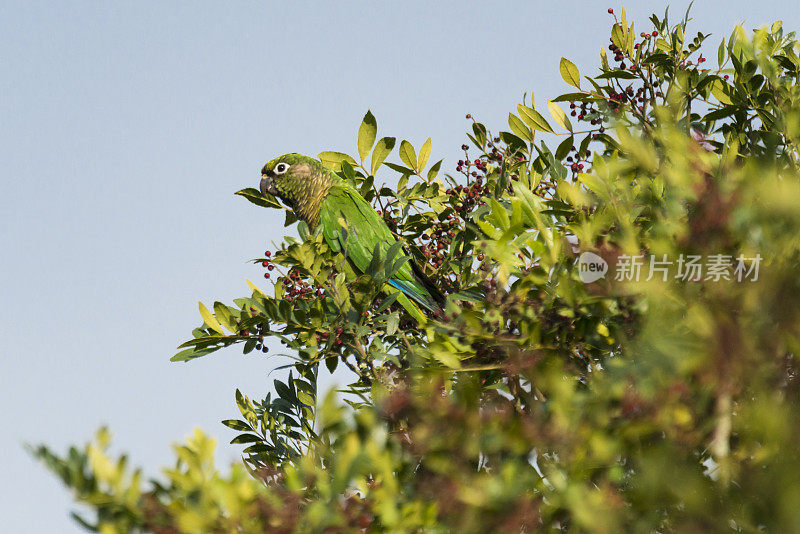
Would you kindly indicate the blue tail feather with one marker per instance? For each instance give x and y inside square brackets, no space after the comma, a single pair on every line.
[413,292]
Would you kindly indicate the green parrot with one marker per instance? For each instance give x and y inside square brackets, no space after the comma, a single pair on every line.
[320,197]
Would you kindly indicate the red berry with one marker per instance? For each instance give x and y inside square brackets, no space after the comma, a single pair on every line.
[654,34]
[610,11]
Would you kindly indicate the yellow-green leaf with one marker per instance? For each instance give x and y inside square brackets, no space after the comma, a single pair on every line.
[631,35]
[721,92]
[533,119]
[618,37]
[255,288]
[424,154]
[209,319]
[558,115]
[333,160]
[604,58]
[382,150]
[224,316]
[519,129]
[570,72]
[366,135]
[408,155]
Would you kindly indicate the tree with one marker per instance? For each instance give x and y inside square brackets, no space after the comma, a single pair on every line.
[617,352]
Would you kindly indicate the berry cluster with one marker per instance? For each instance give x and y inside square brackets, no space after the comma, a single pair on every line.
[465,198]
[628,95]
[619,54]
[576,161]
[323,337]
[267,264]
[260,338]
[389,219]
[585,111]
[438,241]
[295,287]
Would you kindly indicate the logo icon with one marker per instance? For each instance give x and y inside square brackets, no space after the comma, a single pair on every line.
[591,267]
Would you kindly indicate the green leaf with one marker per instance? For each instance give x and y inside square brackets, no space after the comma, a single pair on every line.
[209,319]
[618,37]
[331,363]
[594,184]
[721,113]
[191,354]
[224,316]
[245,408]
[245,438]
[575,97]
[721,91]
[424,154]
[631,35]
[236,424]
[480,134]
[434,170]
[388,301]
[284,392]
[559,116]
[618,74]
[381,151]
[399,168]
[366,135]
[564,147]
[408,155]
[392,322]
[254,195]
[569,72]
[333,160]
[533,119]
[519,128]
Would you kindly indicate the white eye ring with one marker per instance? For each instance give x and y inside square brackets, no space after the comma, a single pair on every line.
[281,168]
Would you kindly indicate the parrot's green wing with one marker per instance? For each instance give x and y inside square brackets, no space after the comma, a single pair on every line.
[345,209]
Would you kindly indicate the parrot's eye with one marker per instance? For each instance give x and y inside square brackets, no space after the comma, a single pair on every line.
[281,168]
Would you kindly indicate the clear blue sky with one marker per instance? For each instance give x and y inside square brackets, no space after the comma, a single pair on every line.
[125,128]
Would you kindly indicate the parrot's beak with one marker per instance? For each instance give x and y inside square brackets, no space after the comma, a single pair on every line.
[267,185]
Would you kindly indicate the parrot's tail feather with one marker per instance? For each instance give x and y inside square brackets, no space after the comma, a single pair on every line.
[432,289]
[418,294]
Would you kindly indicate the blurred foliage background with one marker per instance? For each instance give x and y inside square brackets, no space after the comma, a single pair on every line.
[537,401]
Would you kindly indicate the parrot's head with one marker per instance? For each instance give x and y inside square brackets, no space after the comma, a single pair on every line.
[289,176]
